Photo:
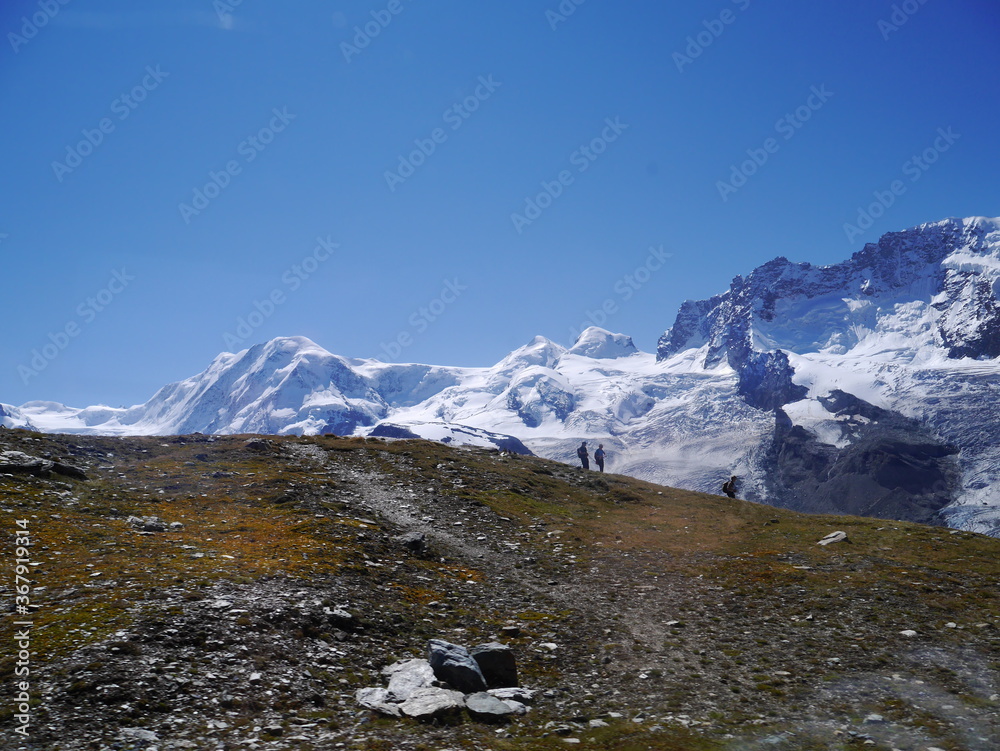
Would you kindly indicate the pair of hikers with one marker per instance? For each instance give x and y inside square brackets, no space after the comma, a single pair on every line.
[585,456]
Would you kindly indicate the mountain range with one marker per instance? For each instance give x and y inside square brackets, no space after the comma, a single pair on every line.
[865,387]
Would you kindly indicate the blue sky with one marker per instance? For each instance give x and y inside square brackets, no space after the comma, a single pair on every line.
[441,181]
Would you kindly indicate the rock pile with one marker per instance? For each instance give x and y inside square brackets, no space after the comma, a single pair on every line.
[482,681]
[17,462]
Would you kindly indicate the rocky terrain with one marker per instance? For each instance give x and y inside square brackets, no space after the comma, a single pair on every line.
[236,592]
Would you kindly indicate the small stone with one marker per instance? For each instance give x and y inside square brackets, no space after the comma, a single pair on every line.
[834,537]
[951,624]
[485,706]
[510,631]
[378,700]
[874,718]
[407,676]
[454,665]
[598,724]
[515,693]
[497,664]
[431,702]
[256,677]
[139,734]
[908,633]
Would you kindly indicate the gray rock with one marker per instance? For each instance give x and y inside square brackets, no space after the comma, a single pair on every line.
[17,462]
[454,665]
[834,537]
[516,707]
[407,676]
[139,734]
[378,700]
[414,541]
[431,702]
[484,706]
[497,664]
[148,523]
[518,694]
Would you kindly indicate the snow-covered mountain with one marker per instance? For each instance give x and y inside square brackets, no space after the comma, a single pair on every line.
[882,371]
[866,387]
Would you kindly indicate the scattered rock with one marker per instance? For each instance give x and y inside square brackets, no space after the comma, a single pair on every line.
[454,665]
[834,537]
[484,706]
[378,700]
[908,633]
[415,542]
[497,664]
[147,523]
[139,734]
[517,693]
[432,702]
[17,462]
[259,444]
[407,676]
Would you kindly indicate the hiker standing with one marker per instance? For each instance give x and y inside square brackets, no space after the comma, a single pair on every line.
[584,456]
[729,487]
[599,456]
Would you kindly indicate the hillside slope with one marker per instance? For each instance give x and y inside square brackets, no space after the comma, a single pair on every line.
[273,583]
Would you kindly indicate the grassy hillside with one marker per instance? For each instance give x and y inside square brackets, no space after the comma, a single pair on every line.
[677,620]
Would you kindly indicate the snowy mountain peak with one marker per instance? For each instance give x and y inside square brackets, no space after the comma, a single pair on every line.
[602,344]
[540,352]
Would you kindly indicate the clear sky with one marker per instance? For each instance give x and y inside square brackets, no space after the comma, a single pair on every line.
[441,180]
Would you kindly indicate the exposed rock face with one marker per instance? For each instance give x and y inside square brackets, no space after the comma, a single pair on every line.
[17,462]
[891,468]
